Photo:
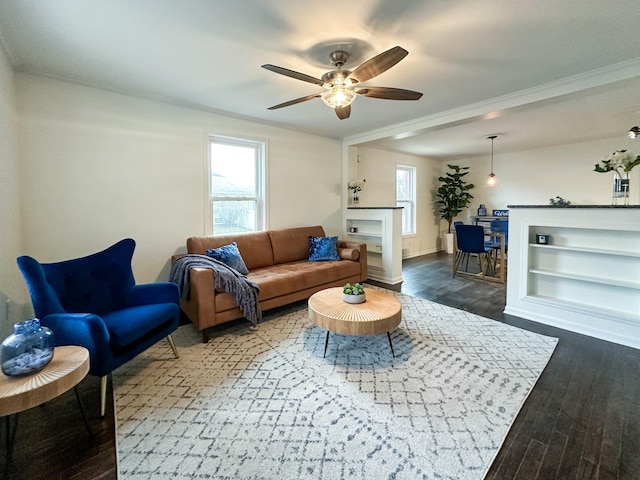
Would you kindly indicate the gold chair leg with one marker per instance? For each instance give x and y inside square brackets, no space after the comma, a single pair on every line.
[456,262]
[173,346]
[103,395]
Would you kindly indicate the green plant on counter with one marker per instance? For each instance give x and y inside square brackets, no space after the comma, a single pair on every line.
[355,289]
[559,202]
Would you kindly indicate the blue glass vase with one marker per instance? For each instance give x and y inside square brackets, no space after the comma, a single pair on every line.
[28,350]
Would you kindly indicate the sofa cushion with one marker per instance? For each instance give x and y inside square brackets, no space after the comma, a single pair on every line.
[230,256]
[322,249]
[283,279]
[292,244]
[255,247]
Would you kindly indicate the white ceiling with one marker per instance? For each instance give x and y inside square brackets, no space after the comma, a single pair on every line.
[541,73]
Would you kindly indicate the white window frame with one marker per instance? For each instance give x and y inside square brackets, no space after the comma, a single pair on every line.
[409,205]
[260,147]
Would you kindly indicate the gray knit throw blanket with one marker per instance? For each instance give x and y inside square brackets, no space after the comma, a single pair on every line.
[225,278]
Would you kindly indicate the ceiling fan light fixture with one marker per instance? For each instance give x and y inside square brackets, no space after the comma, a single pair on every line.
[634,132]
[338,96]
[341,85]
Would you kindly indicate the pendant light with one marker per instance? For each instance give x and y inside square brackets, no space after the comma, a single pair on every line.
[492,181]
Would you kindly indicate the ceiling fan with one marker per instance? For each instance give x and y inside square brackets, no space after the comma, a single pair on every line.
[342,86]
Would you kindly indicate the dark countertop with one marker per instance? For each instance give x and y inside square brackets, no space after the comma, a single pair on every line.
[573,206]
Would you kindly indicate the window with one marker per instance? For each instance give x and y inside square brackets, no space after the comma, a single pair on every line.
[236,185]
[406,197]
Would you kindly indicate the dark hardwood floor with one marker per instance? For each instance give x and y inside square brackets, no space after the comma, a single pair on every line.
[581,421]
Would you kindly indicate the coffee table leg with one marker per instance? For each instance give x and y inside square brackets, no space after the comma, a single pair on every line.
[326,342]
[391,344]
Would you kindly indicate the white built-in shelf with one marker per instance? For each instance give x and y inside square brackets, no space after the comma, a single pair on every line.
[381,230]
[364,234]
[600,251]
[587,278]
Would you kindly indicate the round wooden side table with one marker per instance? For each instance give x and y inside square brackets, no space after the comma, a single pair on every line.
[69,365]
[380,313]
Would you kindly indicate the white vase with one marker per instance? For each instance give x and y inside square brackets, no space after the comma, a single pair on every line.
[449,243]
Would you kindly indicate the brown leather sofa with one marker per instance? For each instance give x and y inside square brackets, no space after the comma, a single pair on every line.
[277,261]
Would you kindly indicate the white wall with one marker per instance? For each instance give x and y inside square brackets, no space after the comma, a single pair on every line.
[99,166]
[378,168]
[11,297]
[534,176]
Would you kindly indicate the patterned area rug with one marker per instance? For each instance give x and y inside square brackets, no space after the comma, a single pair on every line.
[265,404]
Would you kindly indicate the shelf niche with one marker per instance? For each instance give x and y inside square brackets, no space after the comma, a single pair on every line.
[586,279]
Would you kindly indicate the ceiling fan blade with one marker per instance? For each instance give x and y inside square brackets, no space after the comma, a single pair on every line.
[293,102]
[293,74]
[388,93]
[343,112]
[378,64]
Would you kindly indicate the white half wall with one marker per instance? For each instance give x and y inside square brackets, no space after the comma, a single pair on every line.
[99,166]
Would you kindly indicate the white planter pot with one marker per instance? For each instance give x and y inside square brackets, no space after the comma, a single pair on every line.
[449,244]
[354,298]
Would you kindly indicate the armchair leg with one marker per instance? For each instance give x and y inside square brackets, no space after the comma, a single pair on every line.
[103,395]
[173,346]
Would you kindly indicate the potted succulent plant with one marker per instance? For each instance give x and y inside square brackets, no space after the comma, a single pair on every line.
[453,196]
[353,293]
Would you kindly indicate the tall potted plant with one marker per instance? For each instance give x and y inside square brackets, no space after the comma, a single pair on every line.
[453,197]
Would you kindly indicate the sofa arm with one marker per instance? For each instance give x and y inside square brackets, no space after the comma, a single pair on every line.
[200,305]
[160,292]
[347,250]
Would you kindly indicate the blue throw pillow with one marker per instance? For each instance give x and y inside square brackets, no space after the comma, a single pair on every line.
[323,248]
[229,255]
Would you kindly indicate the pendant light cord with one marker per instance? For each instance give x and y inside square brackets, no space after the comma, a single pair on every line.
[492,139]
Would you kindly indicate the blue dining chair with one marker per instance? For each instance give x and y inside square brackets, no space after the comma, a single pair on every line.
[470,240]
[94,302]
[499,226]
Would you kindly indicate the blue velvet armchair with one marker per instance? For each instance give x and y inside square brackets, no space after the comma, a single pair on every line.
[94,302]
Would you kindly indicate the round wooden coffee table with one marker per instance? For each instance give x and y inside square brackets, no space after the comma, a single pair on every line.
[380,313]
[69,365]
